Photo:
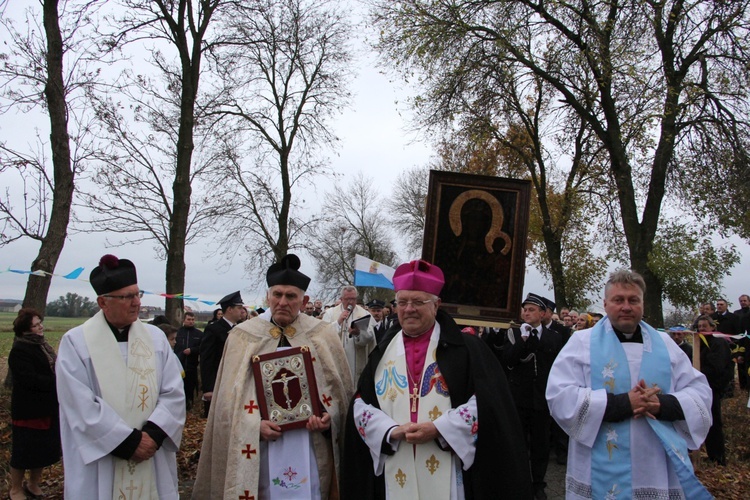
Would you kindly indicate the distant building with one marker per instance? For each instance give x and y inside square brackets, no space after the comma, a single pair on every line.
[148,312]
[10,305]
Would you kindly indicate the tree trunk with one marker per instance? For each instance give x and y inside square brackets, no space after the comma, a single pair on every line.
[554,255]
[37,287]
[181,189]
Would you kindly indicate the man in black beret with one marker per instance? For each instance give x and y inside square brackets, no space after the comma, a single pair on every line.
[244,456]
[212,344]
[122,405]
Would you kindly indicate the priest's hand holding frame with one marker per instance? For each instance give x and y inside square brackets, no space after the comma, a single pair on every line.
[269,431]
[319,424]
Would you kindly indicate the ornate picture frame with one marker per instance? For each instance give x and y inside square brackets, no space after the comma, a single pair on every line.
[476,230]
[286,388]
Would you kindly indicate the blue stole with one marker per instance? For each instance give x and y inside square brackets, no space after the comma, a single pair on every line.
[611,471]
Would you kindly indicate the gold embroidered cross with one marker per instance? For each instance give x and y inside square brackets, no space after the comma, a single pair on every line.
[401,478]
[435,413]
[414,396]
[131,489]
[432,464]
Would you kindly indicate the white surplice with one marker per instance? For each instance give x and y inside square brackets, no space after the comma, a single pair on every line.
[580,411]
[90,429]
[452,426]
[356,347]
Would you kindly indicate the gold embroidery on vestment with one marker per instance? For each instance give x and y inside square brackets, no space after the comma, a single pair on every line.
[143,397]
[432,464]
[435,413]
[288,332]
[401,478]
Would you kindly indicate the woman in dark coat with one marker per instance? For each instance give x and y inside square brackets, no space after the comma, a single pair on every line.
[34,407]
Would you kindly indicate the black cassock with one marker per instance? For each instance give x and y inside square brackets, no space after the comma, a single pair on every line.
[501,464]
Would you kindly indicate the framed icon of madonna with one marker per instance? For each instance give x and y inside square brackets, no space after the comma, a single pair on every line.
[476,229]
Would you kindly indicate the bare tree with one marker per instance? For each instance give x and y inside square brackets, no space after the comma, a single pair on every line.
[283,76]
[407,207]
[181,26]
[130,194]
[352,223]
[33,75]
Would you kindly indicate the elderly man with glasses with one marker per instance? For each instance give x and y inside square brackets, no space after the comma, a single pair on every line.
[122,404]
[357,343]
[433,416]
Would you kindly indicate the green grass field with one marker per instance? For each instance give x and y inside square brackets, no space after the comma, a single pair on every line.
[54,328]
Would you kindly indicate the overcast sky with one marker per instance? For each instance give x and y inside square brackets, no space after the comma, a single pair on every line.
[374,141]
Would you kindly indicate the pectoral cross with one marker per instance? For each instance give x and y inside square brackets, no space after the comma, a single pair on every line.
[414,396]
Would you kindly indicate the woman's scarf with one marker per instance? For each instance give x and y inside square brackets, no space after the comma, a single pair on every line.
[33,338]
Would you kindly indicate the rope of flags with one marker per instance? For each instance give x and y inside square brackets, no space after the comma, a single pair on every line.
[76,273]
[680,328]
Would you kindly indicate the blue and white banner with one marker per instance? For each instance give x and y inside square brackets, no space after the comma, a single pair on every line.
[370,273]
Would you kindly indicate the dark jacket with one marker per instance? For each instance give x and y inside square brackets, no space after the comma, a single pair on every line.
[468,367]
[188,338]
[561,329]
[34,392]
[727,323]
[716,362]
[212,348]
[529,363]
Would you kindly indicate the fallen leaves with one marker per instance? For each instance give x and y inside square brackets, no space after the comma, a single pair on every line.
[730,482]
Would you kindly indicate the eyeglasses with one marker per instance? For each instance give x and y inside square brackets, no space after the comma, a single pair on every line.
[129,296]
[414,303]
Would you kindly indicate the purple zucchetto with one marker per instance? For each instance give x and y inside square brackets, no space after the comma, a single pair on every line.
[419,275]
[112,274]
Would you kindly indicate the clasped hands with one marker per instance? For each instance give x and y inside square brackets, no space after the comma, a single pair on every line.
[146,449]
[644,400]
[271,432]
[415,433]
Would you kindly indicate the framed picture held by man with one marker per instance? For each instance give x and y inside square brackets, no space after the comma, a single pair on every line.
[475,230]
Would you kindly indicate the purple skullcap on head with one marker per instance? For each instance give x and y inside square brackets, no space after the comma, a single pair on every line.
[418,275]
[112,274]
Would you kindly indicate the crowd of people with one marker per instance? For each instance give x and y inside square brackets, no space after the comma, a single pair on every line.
[399,391]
